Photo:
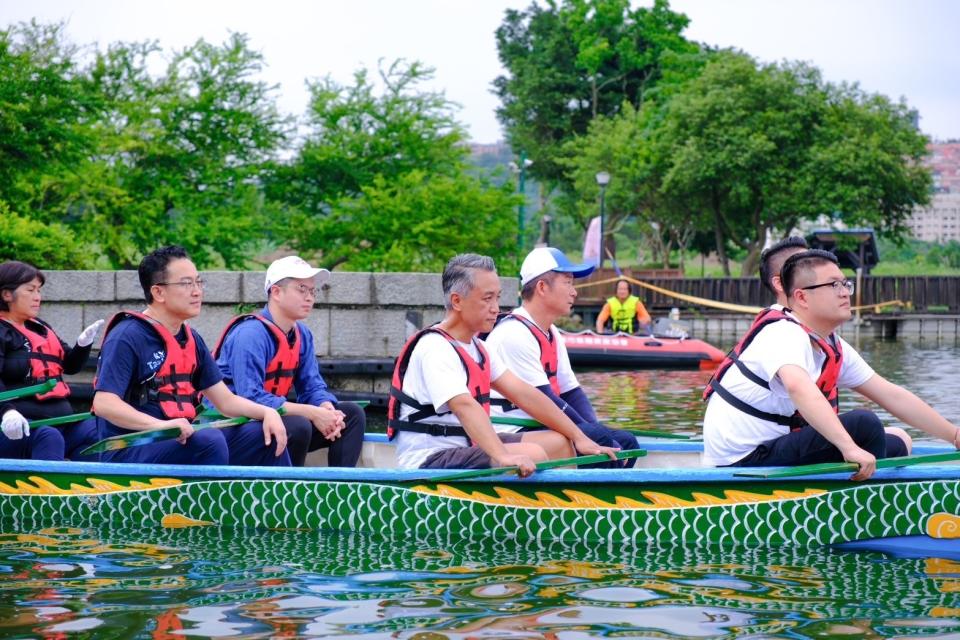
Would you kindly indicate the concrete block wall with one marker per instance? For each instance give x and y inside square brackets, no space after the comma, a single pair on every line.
[357,315]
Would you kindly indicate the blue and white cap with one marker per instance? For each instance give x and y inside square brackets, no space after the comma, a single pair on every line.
[544,259]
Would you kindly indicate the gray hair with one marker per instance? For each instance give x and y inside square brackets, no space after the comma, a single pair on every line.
[458,275]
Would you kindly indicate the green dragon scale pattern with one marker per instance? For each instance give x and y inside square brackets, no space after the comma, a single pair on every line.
[837,515]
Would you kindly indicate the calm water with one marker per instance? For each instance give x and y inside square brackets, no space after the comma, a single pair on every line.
[206,582]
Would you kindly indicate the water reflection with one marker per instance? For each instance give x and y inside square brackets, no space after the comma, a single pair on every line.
[669,400]
[220,583]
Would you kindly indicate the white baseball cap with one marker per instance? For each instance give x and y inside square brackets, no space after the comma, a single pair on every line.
[544,259]
[293,267]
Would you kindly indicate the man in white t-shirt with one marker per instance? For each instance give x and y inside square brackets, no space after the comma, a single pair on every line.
[530,346]
[439,405]
[772,260]
[773,406]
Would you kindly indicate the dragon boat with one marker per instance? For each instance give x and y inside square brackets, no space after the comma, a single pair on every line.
[667,498]
[625,351]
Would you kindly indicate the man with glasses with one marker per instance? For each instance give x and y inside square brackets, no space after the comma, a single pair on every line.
[265,356]
[152,368]
[775,400]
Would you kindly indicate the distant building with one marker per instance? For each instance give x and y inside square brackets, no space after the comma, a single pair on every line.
[940,220]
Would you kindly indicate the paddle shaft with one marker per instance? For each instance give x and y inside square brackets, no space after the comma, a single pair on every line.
[542,466]
[21,392]
[149,436]
[841,467]
[49,422]
[533,424]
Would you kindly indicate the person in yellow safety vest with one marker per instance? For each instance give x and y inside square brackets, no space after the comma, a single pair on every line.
[625,312]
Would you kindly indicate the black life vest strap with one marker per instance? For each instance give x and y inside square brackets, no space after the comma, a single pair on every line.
[504,404]
[432,429]
[421,411]
[737,403]
[748,374]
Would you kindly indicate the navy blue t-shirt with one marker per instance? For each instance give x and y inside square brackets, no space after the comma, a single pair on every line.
[133,352]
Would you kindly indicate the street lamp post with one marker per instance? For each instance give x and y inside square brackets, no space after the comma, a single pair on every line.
[603,179]
[521,169]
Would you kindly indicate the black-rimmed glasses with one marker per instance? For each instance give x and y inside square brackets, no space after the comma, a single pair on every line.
[838,286]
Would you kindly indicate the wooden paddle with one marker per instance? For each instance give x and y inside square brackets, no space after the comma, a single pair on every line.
[527,422]
[43,387]
[49,422]
[840,467]
[542,466]
[149,436]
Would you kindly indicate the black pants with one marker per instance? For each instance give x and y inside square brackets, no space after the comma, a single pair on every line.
[303,437]
[807,446]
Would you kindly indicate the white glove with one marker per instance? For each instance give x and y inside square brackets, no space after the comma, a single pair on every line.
[85,339]
[14,425]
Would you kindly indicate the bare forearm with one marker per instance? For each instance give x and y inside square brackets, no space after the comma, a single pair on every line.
[908,408]
[602,318]
[476,423]
[113,409]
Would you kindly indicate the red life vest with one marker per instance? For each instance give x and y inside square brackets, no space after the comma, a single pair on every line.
[478,383]
[548,349]
[278,377]
[826,382]
[171,387]
[45,356]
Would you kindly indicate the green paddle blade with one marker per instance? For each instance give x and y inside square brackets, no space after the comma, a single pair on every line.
[49,422]
[542,466]
[840,467]
[140,438]
[533,424]
[12,394]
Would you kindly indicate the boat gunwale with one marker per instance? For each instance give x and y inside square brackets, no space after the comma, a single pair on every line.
[636,476]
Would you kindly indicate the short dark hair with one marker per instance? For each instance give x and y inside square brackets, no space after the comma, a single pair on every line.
[527,291]
[771,259]
[804,262]
[153,267]
[14,273]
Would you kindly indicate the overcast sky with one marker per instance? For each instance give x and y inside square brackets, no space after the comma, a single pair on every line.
[907,48]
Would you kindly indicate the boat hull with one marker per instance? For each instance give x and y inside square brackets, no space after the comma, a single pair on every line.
[638,506]
[621,350]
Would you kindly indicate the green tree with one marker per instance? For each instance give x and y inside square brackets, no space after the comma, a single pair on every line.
[760,148]
[182,155]
[569,62]
[382,180]
[46,110]
[48,246]
[413,222]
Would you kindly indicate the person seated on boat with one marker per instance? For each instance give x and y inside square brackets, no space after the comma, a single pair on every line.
[771,264]
[774,399]
[32,353]
[529,344]
[439,409]
[152,367]
[266,355]
[625,312]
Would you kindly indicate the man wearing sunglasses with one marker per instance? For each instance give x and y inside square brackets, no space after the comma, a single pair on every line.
[267,355]
[775,401]
[152,368]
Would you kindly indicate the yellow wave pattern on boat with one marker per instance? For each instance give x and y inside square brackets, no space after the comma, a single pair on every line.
[943,525]
[38,486]
[180,521]
[580,500]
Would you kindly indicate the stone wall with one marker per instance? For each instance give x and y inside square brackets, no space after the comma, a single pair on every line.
[358,315]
